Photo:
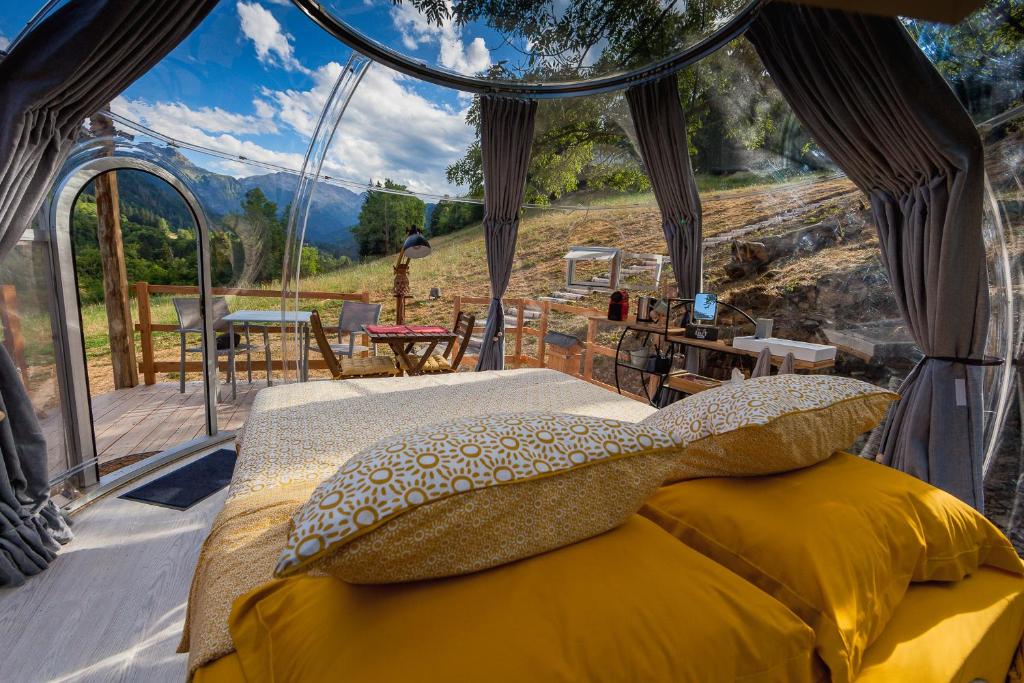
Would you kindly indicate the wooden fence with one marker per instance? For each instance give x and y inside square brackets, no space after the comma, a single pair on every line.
[514,352]
[148,366]
[516,355]
[10,323]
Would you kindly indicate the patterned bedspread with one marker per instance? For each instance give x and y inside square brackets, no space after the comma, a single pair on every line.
[296,435]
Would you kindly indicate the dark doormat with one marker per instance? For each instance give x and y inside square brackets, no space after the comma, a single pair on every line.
[186,486]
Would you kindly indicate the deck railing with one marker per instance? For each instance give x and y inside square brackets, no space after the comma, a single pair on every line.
[514,337]
[579,363]
[148,366]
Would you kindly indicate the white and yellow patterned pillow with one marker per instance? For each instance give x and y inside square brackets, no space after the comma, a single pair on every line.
[769,424]
[475,493]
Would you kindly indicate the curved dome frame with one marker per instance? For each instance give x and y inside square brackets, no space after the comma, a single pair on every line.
[735,27]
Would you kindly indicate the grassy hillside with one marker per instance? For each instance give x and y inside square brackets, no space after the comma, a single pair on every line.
[458,264]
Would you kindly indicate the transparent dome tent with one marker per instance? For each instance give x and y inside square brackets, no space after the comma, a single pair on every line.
[762,178]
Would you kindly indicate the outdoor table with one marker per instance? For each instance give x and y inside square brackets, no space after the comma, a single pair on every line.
[266,319]
[403,338]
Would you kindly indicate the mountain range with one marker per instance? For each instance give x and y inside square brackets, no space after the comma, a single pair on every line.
[333,213]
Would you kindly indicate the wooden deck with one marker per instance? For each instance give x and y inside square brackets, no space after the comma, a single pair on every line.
[152,418]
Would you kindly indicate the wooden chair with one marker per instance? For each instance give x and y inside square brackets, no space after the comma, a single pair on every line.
[444,361]
[345,367]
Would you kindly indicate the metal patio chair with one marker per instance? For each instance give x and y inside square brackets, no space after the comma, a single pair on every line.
[190,321]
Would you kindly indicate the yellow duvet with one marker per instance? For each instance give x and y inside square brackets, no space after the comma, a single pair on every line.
[633,604]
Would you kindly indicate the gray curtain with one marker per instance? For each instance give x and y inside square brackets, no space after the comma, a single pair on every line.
[661,137]
[506,136]
[74,62]
[30,524]
[877,106]
[763,366]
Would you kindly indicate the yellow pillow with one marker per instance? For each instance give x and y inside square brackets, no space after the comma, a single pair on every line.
[769,424]
[633,604]
[838,543]
[474,493]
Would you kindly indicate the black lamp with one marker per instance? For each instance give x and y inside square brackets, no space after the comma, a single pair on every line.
[415,246]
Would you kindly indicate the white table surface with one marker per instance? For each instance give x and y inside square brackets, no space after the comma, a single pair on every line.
[267,317]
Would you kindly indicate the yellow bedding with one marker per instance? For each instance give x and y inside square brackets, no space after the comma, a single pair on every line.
[297,435]
[956,632]
[941,632]
[839,543]
[633,604]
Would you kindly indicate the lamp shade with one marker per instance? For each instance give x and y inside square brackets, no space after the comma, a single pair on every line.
[416,246]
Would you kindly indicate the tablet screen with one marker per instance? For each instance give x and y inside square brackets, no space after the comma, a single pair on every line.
[705,307]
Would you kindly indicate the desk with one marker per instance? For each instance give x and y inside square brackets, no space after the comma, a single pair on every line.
[402,340]
[677,335]
[268,319]
[653,328]
[723,347]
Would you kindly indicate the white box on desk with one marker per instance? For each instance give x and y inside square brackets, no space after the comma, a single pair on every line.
[805,351]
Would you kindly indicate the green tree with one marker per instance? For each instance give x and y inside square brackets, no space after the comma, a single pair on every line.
[384,220]
[451,216]
[261,233]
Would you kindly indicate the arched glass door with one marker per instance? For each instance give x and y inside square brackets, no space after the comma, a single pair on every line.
[138,414]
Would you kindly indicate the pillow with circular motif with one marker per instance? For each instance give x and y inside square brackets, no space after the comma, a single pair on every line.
[769,425]
[474,493]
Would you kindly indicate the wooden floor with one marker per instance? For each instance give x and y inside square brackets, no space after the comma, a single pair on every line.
[152,418]
[112,606]
[149,419]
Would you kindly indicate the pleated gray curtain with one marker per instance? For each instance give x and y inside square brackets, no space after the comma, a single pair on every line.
[74,62]
[877,106]
[661,137]
[506,136]
[31,526]
[763,366]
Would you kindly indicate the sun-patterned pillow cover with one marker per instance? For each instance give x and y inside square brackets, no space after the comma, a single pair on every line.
[464,460]
[769,424]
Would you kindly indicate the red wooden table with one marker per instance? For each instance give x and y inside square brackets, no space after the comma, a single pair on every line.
[403,338]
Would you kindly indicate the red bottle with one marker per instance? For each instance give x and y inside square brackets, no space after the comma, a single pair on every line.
[618,306]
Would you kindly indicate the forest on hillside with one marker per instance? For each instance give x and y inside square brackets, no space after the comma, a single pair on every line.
[246,246]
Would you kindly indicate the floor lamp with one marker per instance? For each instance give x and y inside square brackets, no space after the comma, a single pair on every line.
[415,246]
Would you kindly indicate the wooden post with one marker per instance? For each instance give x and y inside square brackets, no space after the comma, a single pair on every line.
[10,320]
[457,303]
[545,308]
[115,278]
[146,328]
[588,357]
[520,320]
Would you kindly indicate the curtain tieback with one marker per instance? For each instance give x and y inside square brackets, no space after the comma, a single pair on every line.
[986,361]
[498,334]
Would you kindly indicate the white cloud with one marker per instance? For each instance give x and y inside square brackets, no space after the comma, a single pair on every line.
[4,42]
[202,127]
[388,131]
[273,45]
[263,108]
[416,31]
[207,119]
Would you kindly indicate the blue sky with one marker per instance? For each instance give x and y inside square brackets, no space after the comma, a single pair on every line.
[252,78]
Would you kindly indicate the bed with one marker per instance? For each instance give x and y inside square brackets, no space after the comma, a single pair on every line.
[297,435]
